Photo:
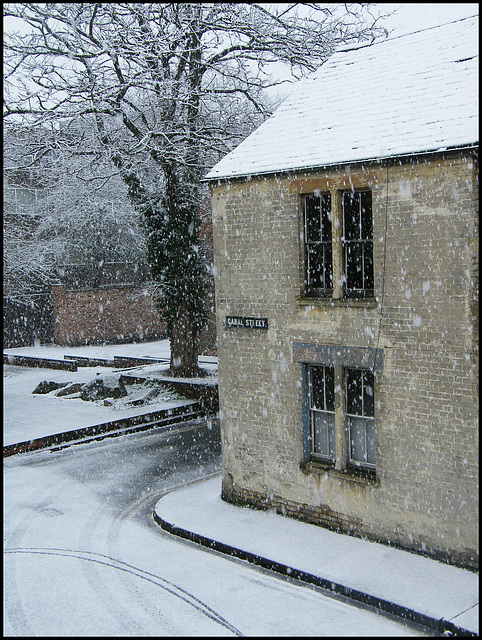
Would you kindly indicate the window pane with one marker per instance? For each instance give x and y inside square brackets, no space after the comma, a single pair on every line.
[354,392]
[366,215]
[357,439]
[362,440]
[324,434]
[323,388]
[351,215]
[360,392]
[328,266]
[326,217]
[368,395]
[354,265]
[368,266]
[329,388]
[318,388]
[319,266]
[316,266]
[313,219]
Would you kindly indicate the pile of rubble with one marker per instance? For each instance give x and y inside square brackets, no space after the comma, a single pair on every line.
[107,388]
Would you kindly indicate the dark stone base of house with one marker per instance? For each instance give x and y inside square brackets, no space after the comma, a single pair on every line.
[325,517]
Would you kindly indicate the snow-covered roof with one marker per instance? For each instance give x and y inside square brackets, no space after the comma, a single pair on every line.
[406,95]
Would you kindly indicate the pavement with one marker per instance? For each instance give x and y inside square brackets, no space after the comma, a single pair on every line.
[410,586]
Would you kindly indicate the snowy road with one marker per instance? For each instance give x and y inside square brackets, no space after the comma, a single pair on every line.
[83,556]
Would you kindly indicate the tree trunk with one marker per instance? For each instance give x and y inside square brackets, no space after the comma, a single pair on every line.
[185,344]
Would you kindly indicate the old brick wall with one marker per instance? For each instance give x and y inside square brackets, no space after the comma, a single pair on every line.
[424,317]
[111,315]
[119,315]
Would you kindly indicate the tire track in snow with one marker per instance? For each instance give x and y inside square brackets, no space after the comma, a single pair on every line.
[99,558]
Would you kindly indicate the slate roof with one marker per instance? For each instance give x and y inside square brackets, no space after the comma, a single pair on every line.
[411,94]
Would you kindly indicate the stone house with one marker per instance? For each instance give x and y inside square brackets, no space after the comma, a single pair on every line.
[346,254]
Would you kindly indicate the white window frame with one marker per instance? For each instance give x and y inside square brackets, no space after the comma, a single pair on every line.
[341,455]
[315,413]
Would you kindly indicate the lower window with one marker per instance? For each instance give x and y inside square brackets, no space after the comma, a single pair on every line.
[321,389]
[356,415]
[360,420]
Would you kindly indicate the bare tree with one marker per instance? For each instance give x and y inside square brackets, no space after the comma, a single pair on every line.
[169,87]
[85,216]
[64,207]
[28,269]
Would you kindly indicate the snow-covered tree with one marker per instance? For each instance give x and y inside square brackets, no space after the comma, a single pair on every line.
[27,266]
[170,87]
[85,216]
[64,207]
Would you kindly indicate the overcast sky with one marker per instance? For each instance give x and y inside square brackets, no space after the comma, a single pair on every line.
[413,16]
[409,17]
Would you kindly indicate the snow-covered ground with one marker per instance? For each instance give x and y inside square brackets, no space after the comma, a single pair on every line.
[414,582]
[73,566]
[159,349]
[28,416]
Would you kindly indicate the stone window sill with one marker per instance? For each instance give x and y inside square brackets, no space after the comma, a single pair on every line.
[305,301]
[351,474]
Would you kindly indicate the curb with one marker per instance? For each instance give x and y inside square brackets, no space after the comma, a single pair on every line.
[443,627]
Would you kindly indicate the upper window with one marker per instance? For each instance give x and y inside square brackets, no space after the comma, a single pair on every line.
[357,244]
[347,231]
[318,249]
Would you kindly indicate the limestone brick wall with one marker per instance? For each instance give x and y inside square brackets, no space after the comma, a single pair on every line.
[425,319]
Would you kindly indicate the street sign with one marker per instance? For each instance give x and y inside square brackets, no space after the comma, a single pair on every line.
[245,322]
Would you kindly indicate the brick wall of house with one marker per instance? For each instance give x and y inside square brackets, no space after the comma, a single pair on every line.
[425,319]
[111,315]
